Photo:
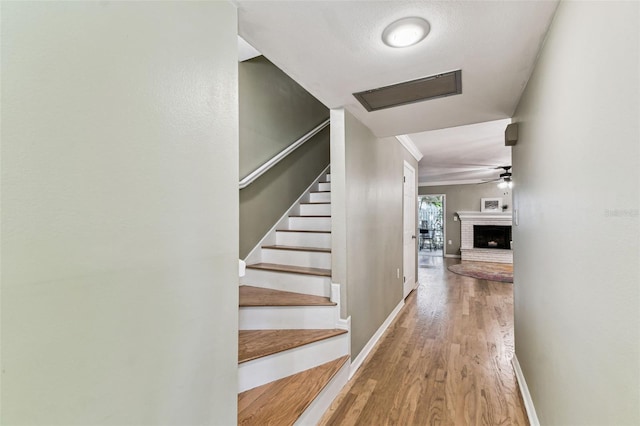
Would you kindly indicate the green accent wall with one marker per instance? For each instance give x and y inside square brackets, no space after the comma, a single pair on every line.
[368,225]
[577,243]
[119,213]
[274,112]
[264,202]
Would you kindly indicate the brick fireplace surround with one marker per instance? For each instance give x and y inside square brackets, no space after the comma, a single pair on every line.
[467,220]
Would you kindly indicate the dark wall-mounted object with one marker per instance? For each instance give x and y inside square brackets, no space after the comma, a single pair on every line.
[511,134]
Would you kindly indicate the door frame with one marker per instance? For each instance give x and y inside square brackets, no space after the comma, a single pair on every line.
[445,242]
[414,252]
[444,224]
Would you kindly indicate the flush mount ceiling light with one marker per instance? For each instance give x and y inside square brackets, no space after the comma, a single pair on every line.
[405,32]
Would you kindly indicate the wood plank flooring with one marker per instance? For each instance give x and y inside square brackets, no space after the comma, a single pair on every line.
[258,296]
[445,360]
[280,403]
[254,344]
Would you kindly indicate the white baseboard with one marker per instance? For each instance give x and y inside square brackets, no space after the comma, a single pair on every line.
[454,256]
[524,390]
[374,339]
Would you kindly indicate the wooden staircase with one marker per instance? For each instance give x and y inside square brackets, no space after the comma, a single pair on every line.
[293,349]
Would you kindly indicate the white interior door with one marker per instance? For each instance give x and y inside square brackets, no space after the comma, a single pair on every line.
[409,226]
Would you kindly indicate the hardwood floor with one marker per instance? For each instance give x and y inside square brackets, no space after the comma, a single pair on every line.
[445,360]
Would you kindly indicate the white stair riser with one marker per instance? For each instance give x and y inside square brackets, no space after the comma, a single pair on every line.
[303,239]
[310,223]
[298,283]
[273,367]
[320,197]
[313,414]
[308,259]
[315,209]
[324,186]
[328,178]
[287,317]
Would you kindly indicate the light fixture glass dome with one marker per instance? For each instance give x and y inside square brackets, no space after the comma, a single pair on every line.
[405,32]
[505,184]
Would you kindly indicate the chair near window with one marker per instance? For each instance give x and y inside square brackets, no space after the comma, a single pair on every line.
[426,239]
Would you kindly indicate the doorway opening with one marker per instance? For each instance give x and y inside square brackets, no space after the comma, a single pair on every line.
[431,225]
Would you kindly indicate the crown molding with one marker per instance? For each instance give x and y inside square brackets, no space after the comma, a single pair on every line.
[452,182]
[410,146]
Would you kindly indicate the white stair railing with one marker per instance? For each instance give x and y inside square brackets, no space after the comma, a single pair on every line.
[251,177]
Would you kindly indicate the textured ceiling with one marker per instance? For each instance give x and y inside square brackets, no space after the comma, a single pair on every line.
[334,49]
[465,154]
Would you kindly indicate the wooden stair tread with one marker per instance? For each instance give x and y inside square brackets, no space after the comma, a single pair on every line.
[317,202]
[291,269]
[258,296]
[303,230]
[310,215]
[296,248]
[318,192]
[283,401]
[253,344]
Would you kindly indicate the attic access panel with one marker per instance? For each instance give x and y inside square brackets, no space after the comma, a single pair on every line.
[422,89]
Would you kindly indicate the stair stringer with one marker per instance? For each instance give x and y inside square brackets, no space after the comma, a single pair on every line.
[314,412]
[255,255]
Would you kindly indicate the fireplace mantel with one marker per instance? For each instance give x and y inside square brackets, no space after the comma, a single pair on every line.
[470,218]
[485,216]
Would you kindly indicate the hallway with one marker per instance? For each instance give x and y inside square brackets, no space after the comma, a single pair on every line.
[444,360]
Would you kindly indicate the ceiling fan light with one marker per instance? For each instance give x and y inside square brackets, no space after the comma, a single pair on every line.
[503,184]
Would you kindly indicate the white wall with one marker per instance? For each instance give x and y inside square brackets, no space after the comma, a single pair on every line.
[119,213]
[576,170]
[339,206]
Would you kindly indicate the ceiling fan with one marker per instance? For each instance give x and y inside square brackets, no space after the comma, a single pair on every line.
[504,180]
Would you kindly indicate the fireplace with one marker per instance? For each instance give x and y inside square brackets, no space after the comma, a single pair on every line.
[492,236]
[492,243]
